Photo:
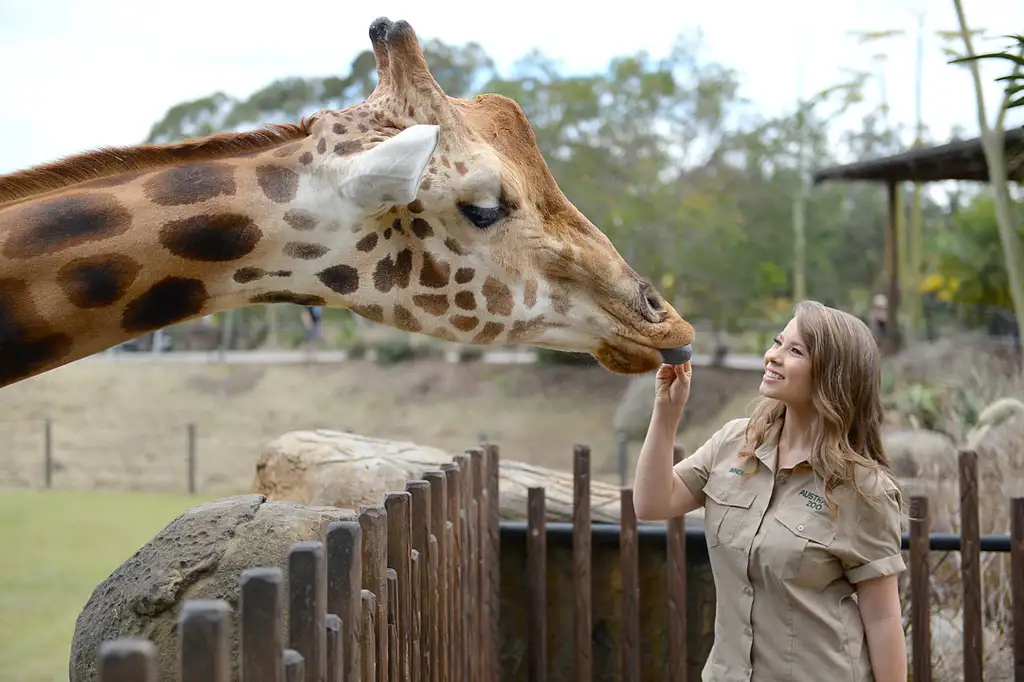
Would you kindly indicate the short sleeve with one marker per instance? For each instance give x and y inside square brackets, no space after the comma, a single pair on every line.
[695,469]
[873,548]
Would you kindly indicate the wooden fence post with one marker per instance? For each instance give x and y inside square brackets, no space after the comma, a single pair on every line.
[374,521]
[920,590]
[307,606]
[127,660]
[675,539]
[204,640]
[1017,584]
[629,576]
[261,624]
[344,584]
[536,584]
[582,605]
[970,554]
[397,505]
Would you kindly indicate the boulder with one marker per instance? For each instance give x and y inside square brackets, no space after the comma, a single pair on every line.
[198,555]
[337,468]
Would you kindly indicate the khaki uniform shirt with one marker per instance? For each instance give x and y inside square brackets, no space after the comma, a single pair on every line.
[784,568]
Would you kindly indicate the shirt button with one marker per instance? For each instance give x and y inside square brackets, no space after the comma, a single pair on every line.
[748,590]
[747,631]
[800,527]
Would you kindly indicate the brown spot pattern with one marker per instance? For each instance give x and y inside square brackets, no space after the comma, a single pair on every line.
[435,304]
[305,250]
[464,323]
[527,330]
[306,158]
[300,219]
[287,297]
[213,238]
[190,184]
[372,312]
[246,275]
[421,228]
[393,272]
[461,167]
[171,300]
[347,147]
[560,301]
[65,222]
[97,281]
[464,275]
[454,246]
[279,184]
[343,279]
[489,332]
[27,345]
[415,206]
[465,300]
[530,293]
[434,274]
[445,334]
[405,320]
[498,297]
[321,146]
[367,243]
[339,129]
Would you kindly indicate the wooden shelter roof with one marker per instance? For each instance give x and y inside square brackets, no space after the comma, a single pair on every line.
[961,160]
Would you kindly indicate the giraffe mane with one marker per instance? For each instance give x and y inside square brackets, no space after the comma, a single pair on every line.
[107,161]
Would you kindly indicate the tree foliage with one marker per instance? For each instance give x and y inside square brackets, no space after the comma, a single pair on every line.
[693,184]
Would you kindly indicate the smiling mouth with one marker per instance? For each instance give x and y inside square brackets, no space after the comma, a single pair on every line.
[772,374]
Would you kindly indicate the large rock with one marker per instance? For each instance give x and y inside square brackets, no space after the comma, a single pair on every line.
[198,555]
[337,468]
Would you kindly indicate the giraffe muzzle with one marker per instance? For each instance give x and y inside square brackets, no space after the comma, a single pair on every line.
[676,356]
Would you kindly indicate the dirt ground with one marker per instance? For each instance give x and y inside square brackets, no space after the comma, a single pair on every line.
[124,426]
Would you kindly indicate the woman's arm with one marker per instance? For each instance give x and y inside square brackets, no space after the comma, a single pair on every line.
[879,602]
[658,491]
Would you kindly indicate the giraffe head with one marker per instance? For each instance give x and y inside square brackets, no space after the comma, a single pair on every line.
[462,232]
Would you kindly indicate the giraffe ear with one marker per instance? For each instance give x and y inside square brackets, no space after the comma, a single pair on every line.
[391,172]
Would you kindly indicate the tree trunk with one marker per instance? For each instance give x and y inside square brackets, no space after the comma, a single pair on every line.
[994,145]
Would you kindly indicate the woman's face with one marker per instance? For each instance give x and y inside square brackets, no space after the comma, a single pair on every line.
[787,375]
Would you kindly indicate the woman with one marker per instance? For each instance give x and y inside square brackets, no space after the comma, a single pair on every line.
[801,513]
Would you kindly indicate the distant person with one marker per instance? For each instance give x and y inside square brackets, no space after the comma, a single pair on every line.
[312,320]
[879,316]
[802,514]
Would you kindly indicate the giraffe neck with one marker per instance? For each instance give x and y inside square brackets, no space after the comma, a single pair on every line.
[99,263]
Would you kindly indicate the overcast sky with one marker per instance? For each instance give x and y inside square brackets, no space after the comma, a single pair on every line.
[80,74]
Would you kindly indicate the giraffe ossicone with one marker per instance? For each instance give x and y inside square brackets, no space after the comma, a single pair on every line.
[424,212]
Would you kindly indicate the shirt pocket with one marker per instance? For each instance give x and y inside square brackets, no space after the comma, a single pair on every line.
[725,507]
[801,550]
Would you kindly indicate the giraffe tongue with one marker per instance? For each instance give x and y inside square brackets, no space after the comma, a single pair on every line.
[676,356]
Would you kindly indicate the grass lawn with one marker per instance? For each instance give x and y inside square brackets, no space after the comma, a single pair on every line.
[59,546]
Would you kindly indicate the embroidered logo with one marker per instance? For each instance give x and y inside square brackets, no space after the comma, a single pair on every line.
[813,500]
[736,470]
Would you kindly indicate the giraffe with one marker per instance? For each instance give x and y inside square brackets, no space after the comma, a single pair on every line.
[427,213]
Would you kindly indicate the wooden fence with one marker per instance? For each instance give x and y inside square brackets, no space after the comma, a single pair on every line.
[409,592]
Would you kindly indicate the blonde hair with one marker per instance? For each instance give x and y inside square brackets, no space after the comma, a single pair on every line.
[846,378]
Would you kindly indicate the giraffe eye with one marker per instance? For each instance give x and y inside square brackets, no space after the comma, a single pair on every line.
[483,217]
